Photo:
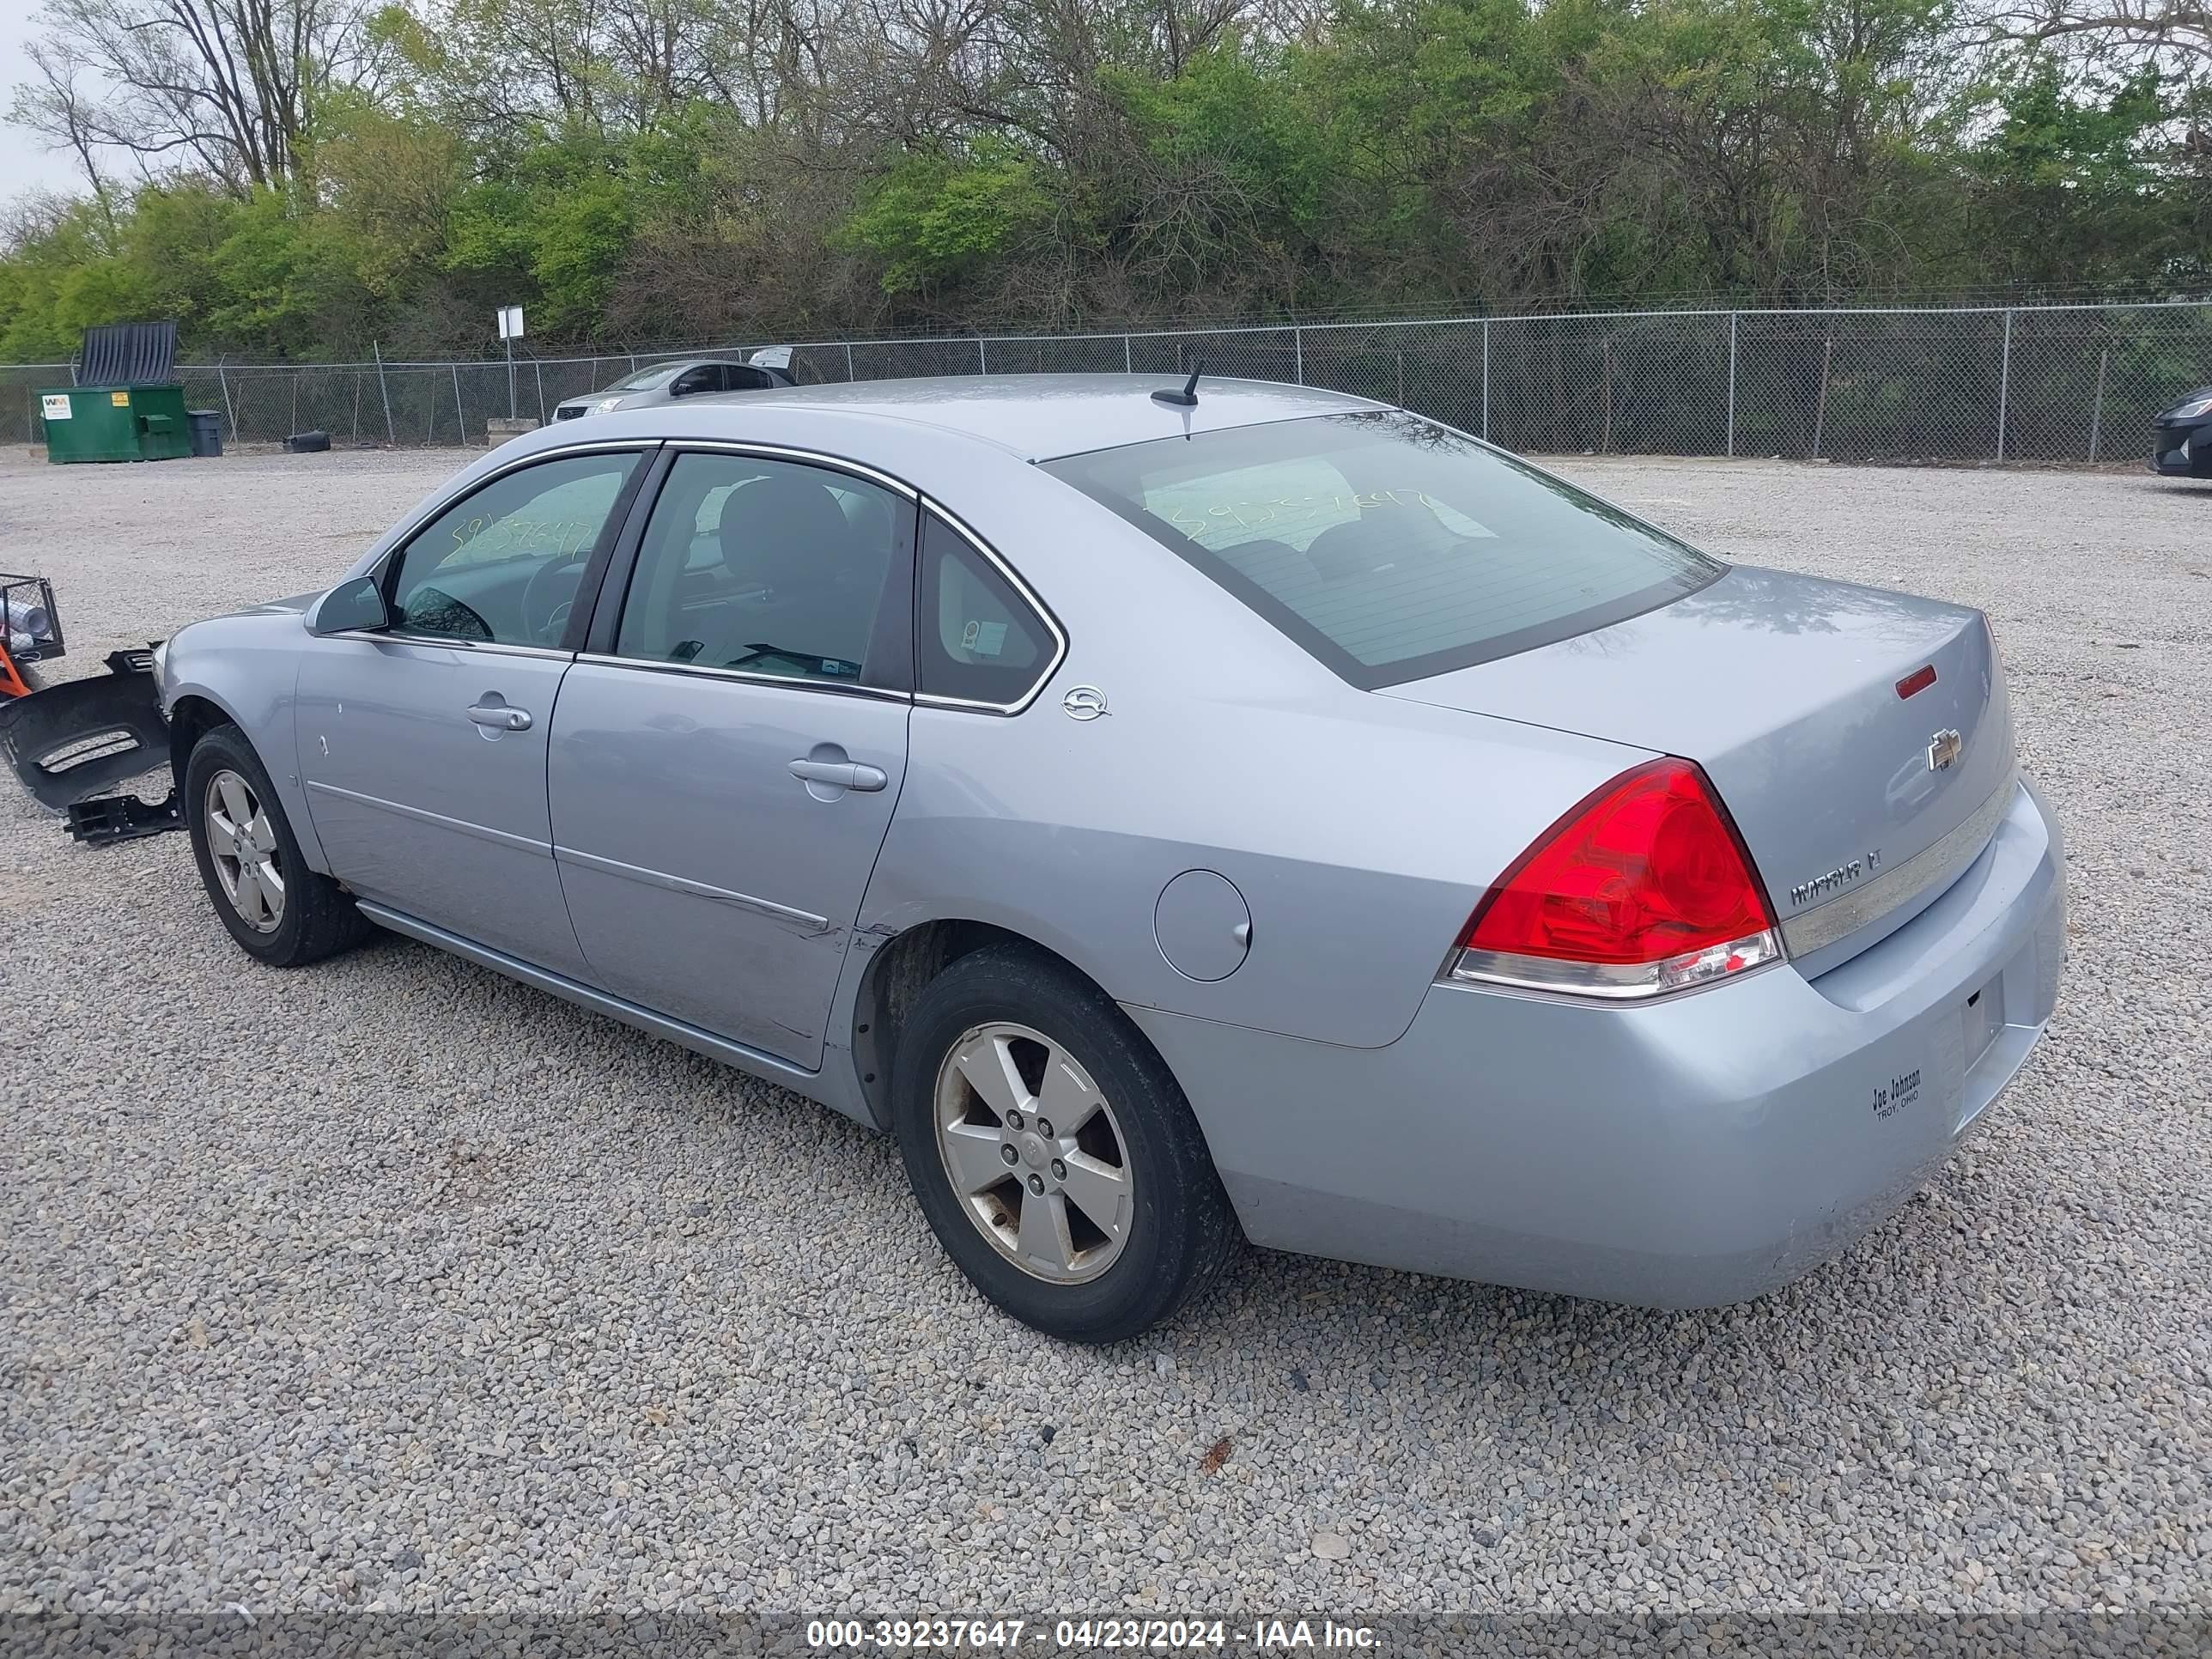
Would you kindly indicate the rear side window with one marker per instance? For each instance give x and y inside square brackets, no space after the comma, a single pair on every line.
[768,567]
[976,640]
[1390,547]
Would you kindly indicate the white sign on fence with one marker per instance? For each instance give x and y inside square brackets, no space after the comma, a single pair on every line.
[510,322]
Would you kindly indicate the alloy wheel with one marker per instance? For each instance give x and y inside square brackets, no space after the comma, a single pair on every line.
[1034,1153]
[242,847]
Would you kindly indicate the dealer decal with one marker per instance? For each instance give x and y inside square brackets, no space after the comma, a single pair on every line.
[1900,1091]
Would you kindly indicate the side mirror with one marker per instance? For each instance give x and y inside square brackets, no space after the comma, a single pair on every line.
[349,606]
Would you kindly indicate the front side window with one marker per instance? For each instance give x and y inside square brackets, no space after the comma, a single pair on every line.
[766,566]
[645,379]
[502,565]
[1387,546]
[706,377]
[977,639]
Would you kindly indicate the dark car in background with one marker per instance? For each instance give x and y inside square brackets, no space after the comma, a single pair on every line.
[686,377]
[2181,446]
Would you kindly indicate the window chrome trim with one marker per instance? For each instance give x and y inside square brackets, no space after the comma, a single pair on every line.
[1937,864]
[1029,597]
[785,452]
[492,647]
[703,671]
[644,448]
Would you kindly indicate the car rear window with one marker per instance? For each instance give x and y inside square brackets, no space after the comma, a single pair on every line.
[1390,547]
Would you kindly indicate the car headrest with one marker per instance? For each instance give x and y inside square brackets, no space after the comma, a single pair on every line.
[1381,539]
[1347,550]
[1264,560]
[783,533]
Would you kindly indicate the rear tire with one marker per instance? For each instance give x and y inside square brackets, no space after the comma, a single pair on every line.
[1093,1228]
[278,910]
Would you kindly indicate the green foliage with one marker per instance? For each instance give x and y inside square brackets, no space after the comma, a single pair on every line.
[2080,180]
[1244,116]
[934,216]
[1131,160]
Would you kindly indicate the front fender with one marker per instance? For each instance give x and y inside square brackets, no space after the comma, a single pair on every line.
[244,670]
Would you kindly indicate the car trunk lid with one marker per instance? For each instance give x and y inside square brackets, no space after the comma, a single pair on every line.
[1859,803]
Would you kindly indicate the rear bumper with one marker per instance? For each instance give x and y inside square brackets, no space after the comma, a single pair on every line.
[2182,450]
[1700,1151]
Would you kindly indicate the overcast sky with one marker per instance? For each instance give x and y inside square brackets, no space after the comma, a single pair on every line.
[25,162]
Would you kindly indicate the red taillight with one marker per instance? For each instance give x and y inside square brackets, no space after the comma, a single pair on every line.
[1644,887]
[1918,681]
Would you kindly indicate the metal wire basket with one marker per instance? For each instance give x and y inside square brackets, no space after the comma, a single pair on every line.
[32,624]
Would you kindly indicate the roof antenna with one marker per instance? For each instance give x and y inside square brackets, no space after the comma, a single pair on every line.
[1186,399]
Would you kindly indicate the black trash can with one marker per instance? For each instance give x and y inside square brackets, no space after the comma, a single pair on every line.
[207,430]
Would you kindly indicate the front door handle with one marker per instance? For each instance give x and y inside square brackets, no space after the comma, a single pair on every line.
[842,775]
[501,718]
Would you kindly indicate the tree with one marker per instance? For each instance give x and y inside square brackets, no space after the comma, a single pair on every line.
[228,87]
[2082,182]
[298,176]
[2127,29]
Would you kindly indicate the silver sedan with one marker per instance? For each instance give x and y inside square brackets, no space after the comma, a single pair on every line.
[1275,814]
[691,377]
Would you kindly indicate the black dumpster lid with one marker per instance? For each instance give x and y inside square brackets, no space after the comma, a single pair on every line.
[128,354]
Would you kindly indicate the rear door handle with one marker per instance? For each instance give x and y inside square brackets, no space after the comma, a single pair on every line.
[500,717]
[845,775]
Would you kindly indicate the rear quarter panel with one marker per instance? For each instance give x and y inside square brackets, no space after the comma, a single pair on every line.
[1361,830]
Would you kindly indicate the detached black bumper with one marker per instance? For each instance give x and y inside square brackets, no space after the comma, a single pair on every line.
[72,741]
[2182,449]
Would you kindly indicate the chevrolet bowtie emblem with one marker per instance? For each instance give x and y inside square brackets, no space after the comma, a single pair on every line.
[1944,749]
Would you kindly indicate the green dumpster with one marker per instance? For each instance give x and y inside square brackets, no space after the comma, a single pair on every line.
[127,404]
[115,423]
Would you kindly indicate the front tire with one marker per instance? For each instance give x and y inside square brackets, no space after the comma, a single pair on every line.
[1052,1152]
[280,911]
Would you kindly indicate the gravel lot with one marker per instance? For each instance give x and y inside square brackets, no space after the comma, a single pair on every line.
[393,1283]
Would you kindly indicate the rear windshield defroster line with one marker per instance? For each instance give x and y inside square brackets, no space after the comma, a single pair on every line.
[1390,547]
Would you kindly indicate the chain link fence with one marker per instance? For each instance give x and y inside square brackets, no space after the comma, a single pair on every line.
[2050,383]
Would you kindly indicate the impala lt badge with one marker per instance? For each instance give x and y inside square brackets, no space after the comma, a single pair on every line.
[1944,749]
[1843,876]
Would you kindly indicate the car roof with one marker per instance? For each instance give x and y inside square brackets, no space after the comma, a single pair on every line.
[1041,417]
